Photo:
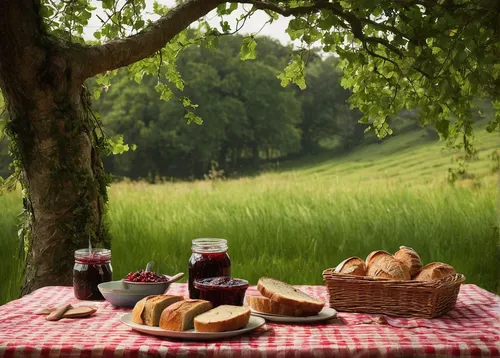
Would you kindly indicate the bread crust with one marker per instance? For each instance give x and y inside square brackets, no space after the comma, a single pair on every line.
[434,271]
[352,266]
[155,306]
[265,305]
[145,307]
[388,267]
[208,321]
[179,316]
[139,309]
[289,295]
[374,256]
[410,258]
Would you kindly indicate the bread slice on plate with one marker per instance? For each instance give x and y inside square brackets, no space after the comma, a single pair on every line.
[223,318]
[265,305]
[180,315]
[148,310]
[286,294]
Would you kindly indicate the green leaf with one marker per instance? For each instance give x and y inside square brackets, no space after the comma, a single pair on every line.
[96,92]
[247,50]
[225,26]
[117,145]
[165,92]
[186,102]
[226,9]
[294,73]
[139,24]
[191,117]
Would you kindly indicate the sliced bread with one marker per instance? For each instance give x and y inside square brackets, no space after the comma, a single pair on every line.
[223,318]
[139,309]
[154,307]
[180,315]
[286,294]
[148,310]
[265,305]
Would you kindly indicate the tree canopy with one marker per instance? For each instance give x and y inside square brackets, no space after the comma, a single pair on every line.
[247,115]
[437,56]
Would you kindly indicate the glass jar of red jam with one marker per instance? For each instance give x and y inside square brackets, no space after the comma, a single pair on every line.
[222,290]
[92,267]
[209,259]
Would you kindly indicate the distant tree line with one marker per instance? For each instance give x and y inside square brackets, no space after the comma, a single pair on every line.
[248,117]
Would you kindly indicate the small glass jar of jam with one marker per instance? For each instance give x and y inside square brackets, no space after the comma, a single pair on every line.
[222,290]
[92,267]
[209,259]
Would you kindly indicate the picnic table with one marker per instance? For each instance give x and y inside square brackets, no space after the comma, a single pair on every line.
[471,329]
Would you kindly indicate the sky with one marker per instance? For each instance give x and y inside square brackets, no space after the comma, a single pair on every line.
[252,25]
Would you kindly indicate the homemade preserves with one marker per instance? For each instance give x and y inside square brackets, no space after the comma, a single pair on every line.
[209,259]
[91,268]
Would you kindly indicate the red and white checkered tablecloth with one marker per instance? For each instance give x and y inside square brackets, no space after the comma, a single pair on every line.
[471,329]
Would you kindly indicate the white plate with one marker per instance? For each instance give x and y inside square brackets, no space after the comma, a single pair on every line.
[324,314]
[254,323]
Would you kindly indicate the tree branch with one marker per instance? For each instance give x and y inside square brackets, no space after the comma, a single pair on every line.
[123,52]
[292,11]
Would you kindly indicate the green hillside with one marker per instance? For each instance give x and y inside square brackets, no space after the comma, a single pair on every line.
[408,158]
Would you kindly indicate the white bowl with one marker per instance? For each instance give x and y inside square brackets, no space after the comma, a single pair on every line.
[127,294]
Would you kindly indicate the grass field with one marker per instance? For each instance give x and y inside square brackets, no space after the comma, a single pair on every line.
[296,221]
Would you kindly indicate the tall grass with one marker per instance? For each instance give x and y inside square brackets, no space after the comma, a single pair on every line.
[10,257]
[291,229]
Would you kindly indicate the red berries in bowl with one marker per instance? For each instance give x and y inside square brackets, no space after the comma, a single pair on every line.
[143,276]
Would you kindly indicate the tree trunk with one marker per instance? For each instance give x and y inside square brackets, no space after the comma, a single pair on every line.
[255,154]
[55,146]
[66,189]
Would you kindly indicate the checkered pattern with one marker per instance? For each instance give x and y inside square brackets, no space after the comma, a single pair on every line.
[471,329]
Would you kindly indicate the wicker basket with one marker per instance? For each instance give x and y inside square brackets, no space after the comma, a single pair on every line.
[426,299]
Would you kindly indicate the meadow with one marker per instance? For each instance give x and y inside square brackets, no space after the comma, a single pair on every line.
[296,220]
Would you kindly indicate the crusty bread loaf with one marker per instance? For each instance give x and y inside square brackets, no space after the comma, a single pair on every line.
[434,271]
[139,309]
[180,315]
[148,310]
[374,256]
[155,306]
[388,267]
[352,266]
[265,305]
[222,318]
[284,293]
[409,258]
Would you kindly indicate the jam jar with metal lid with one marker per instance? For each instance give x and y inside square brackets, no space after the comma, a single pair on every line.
[209,258]
[92,267]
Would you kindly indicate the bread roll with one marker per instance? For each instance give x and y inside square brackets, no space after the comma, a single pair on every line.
[284,293]
[352,266]
[434,271]
[180,315]
[148,310]
[409,258]
[374,256]
[388,267]
[223,318]
[265,305]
